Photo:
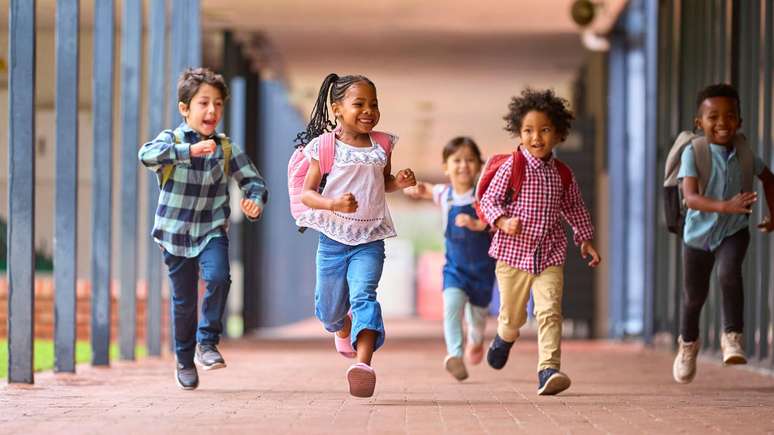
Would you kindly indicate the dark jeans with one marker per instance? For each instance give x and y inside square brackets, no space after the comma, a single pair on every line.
[183,278]
[696,275]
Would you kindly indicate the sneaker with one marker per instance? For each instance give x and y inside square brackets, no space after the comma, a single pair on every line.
[208,357]
[186,377]
[552,381]
[497,355]
[474,353]
[456,366]
[684,368]
[362,380]
[733,352]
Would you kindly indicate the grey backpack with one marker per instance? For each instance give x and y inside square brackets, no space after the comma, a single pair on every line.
[674,205]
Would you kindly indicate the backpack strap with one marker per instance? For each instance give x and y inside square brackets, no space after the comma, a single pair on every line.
[518,169]
[383,139]
[703,159]
[327,152]
[225,144]
[746,162]
[166,170]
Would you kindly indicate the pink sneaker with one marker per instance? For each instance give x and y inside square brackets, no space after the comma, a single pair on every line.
[344,346]
[362,380]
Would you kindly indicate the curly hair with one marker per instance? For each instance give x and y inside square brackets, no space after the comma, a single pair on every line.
[193,78]
[541,101]
[718,90]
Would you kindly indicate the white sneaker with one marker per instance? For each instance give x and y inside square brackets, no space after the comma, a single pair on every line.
[733,352]
[684,368]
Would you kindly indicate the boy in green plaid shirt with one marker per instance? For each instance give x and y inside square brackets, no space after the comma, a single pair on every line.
[193,165]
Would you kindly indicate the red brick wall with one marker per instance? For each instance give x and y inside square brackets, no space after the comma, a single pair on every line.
[44,310]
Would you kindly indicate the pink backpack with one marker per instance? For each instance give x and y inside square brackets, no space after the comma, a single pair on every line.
[298,166]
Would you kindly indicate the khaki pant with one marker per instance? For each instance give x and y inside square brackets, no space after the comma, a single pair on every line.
[546,288]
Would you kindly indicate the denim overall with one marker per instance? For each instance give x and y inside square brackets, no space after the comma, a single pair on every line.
[468,264]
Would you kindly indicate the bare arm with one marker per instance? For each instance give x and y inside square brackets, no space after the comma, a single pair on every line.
[422,190]
[767,178]
[740,203]
[312,199]
[403,178]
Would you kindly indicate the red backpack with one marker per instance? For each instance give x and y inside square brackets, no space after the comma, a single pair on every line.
[517,178]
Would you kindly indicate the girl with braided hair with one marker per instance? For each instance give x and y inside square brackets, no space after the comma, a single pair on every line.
[350,213]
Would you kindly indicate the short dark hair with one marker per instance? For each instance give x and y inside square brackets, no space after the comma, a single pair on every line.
[544,101]
[719,90]
[460,142]
[193,78]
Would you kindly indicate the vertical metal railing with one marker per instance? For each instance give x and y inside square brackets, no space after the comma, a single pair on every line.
[66,212]
[21,173]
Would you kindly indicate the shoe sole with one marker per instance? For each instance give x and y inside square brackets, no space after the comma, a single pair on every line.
[183,387]
[686,380]
[205,367]
[361,382]
[555,385]
[456,367]
[735,360]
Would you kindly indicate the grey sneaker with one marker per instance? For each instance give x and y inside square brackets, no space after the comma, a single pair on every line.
[186,378]
[733,352]
[684,368]
[208,357]
[456,366]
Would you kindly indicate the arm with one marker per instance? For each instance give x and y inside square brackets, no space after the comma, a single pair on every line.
[163,151]
[574,211]
[740,203]
[469,222]
[250,182]
[402,179]
[767,178]
[493,201]
[422,190]
[312,199]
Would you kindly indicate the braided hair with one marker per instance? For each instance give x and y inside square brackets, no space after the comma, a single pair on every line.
[319,122]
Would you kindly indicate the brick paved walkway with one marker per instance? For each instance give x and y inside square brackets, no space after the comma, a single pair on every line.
[275,385]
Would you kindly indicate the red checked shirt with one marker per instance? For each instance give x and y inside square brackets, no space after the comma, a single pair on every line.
[542,242]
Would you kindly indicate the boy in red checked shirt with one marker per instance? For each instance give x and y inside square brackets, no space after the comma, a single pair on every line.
[529,243]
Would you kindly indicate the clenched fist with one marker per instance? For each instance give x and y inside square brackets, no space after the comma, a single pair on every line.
[405,178]
[203,148]
[250,208]
[346,203]
[510,226]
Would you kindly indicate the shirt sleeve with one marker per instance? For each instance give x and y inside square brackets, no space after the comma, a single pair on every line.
[493,201]
[438,192]
[576,214]
[247,177]
[758,165]
[312,149]
[164,151]
[687,164]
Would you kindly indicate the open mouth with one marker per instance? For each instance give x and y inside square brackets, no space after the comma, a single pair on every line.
[366,121]
[210,123]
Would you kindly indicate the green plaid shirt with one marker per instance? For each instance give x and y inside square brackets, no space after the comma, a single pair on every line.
[194,203]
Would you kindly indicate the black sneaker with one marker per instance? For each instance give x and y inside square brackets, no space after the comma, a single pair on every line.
[497,355]
[552,381]
[208,357]
[186,377]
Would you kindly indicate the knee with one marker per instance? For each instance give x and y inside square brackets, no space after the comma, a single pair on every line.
[218,277]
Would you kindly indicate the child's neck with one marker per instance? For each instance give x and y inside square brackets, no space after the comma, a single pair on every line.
[460,187]
[354,138]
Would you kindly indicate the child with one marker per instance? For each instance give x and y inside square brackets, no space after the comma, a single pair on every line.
[530,244]
[193,213]
[468,274]
[353,220]
[716,226]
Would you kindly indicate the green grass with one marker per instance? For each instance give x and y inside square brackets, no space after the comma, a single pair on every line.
[44,354]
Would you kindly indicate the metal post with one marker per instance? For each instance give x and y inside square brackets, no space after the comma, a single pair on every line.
[21,209]
[131,44]
[102,174]
[66,215]
[156,73]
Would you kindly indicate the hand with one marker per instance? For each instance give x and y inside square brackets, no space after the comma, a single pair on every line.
[203,148]
[740,203]
[510,226]
[464,221]
[587,250]
[766,225]
[418,191]
[250,208]
[346,203]
[405,178]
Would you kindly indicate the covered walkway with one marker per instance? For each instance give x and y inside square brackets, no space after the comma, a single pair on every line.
[292,382]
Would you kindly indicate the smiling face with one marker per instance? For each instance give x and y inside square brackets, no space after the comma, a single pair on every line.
[462,167]
[358,110]
[204,111]
[538,134]
[719,119]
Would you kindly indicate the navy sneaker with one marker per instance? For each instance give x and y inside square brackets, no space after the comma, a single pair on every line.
[497,355]
[552,381]
[186,377]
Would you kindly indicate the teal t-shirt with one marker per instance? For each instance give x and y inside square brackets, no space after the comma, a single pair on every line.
[705,230]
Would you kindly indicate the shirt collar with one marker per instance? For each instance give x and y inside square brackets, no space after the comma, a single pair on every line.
[535,162]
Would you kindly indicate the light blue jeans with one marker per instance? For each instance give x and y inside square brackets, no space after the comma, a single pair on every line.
[455,301]
[347,277]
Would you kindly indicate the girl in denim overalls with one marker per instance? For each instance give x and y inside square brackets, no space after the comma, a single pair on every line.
[468,275]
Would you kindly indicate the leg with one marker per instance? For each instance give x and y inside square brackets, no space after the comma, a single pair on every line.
[363,274]
[697,270]
[476,319]
[214,266]
[331,293]
[547,294]
[514,293]
[453,304]
[183,275]
[730,256]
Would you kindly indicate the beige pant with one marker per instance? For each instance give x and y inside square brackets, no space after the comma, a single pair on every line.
[547,294]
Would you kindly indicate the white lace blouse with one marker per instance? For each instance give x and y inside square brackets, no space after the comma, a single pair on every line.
[359,171]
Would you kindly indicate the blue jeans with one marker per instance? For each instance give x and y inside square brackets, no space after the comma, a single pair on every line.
[183,279]
[347,277]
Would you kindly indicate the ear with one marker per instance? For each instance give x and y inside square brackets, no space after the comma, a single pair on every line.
[445,169]
[697,123]
[183,109]
[336,108]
